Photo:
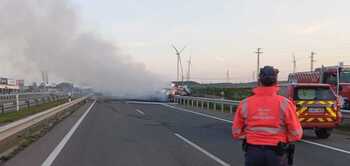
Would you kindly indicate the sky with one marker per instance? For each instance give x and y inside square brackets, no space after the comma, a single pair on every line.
[222,35]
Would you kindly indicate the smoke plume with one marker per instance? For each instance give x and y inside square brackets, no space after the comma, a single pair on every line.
[45,35]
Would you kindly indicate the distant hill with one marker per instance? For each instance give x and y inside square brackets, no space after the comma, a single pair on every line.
[188,83]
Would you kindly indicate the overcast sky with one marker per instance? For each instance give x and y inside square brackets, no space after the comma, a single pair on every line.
[223,34]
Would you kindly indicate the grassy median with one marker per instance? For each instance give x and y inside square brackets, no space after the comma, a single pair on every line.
[8,117]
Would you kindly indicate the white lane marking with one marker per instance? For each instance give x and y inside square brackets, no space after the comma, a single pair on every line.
[227,121]
[326,146]
[60,146]
[139,111]
[223,163]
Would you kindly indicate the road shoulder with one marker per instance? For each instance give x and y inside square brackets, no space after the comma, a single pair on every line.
[38,151]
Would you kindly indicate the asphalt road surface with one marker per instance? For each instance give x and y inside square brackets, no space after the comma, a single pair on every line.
[119,133]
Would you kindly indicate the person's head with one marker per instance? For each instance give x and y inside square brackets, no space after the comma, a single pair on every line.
[268,76]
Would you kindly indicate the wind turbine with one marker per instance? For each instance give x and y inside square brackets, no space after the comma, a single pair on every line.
[189,69]
[179,63]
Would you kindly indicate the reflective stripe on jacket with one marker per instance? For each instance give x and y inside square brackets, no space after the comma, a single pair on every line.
[266,118]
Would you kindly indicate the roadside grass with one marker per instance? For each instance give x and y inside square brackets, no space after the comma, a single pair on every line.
[227,93]
[8,117]
[345,126]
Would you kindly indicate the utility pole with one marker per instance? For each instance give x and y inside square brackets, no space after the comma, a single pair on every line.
[258,52]
[189,69]
[294,63]
[312,58]
[228,76]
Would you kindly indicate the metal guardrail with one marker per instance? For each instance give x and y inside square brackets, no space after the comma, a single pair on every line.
[222,104]
[207,103]
[345,111]
[346,114]
[15,127]
[15,102]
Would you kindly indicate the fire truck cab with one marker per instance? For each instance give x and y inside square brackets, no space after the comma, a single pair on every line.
[317,106]
[336,76]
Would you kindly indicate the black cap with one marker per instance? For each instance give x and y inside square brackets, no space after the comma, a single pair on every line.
[268,76]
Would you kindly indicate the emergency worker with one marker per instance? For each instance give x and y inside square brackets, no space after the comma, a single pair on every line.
[267,123]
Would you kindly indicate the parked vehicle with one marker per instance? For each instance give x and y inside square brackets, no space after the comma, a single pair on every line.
[317,106]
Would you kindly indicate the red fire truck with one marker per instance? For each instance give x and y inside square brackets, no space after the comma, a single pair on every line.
[336,76]
[317,106]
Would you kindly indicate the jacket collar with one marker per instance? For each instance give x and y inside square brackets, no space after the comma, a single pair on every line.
[266,91]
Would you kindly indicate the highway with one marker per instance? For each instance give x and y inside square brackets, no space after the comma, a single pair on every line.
[112,133]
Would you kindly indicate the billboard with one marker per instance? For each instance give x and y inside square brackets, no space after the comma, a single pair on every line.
[11,82]
[3,81]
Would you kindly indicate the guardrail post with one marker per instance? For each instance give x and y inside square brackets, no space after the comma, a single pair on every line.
[192,103]
[222,107]
[197,103]
[202,103]
[231,108]
[17,102]
[214,106]
[28,103]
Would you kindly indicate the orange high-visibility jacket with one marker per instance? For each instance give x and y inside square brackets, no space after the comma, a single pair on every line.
[266,119]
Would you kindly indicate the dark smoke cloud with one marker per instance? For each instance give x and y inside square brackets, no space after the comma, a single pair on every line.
[44,35]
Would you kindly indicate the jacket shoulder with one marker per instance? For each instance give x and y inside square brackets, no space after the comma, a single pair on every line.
[282,98]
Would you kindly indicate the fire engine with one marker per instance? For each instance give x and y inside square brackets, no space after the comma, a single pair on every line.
[336,76]
[317,106]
